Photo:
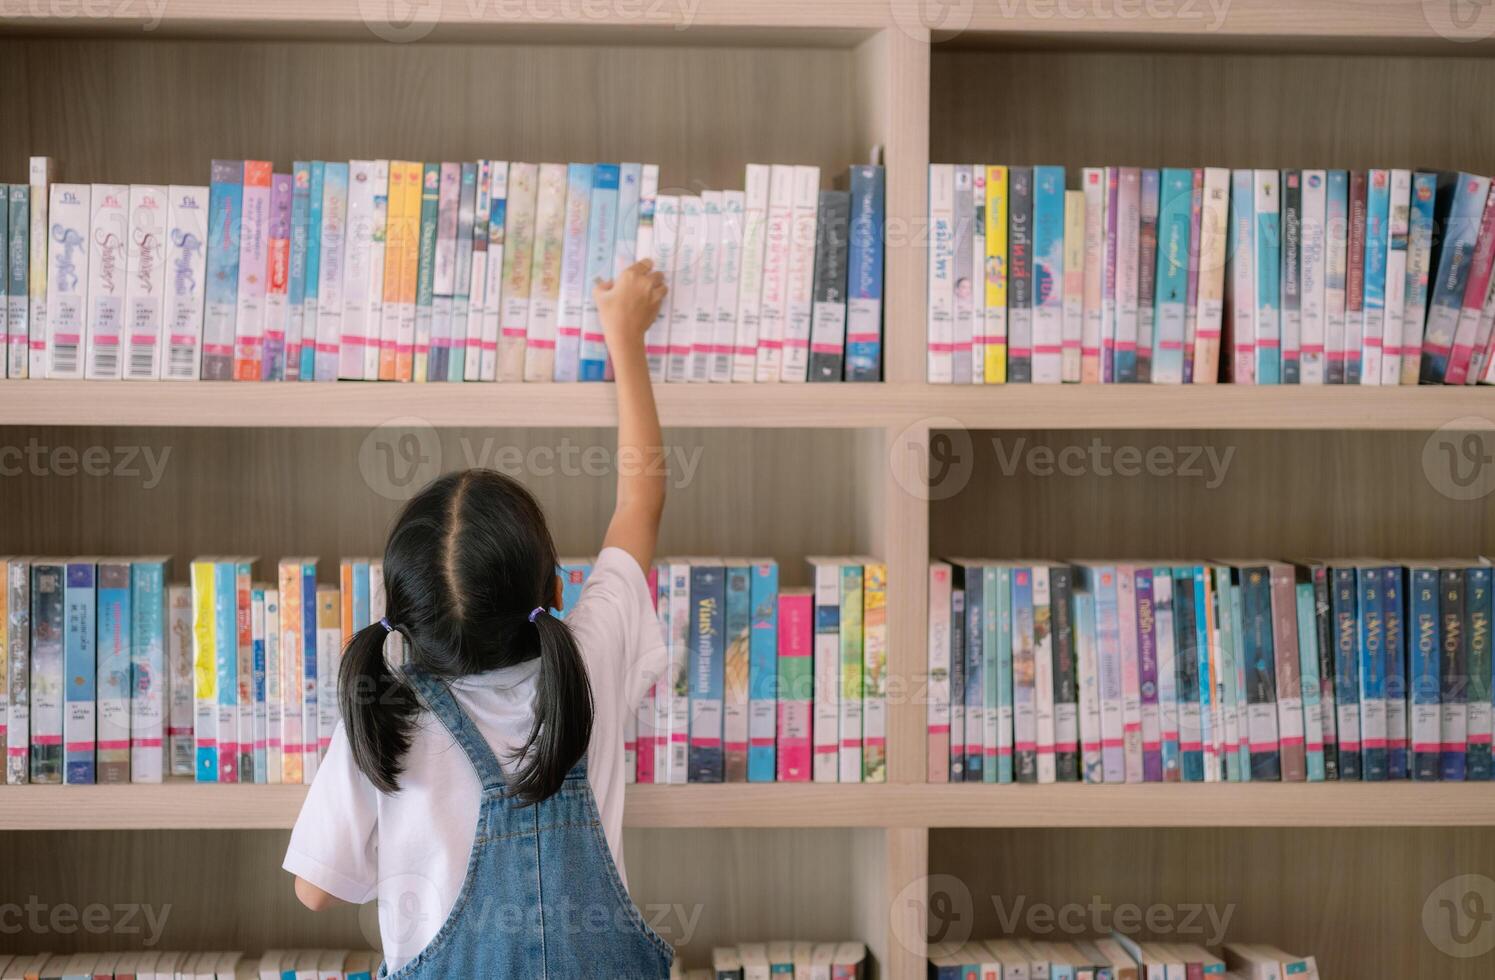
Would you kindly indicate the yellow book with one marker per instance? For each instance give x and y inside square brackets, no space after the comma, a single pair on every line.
[409,270]
[994,328]
[875,672]
[292,667]
[394,263]
[205,669]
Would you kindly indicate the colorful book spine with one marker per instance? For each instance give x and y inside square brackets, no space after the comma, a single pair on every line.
[1224,725]
[328,645]
[17,274]
[1323,629]
[763,670]
[1290,275]
[969,578]
[1214,235]
[1074,284]
[331,269]
[179,687]
[1111,191]
[751,276]
[874,672]
[1020,245]
[1354,304]
[1147,676]
[674,709]
[307,369]
[601,237]
[1043,674]
[245,667]
[493,292]
[67,281]
[112,682]
[992,327]
[108,260]
[1394,647]
[1257,648]
[1336,272]
[226,666]
[1454,665]
[254,251]
[864,273]
[462,274]
[1344,610]
[1089,671]
[79,724]
[707,656]
[1267,265]
[425,283]
[977,256]
[1397,225]
[205,600]
[828,680]
[1291,729]
[444,271]
[1425,671]
[373,292]
[1066,677]
[396,235]
[259,694]
[277,278]
[1377,244]
[1101,582]
[5,284]
[663,235]
[1131,673]
[828,321]
[41,177]
[1048,275]
[48,669]
[1186,680]
[300,250]
[1372,673]
[1093,181]
[940,304]
[796,685]
[1313,725]
[1312,245]
[1024,679]
[728,274]
[417,250]
[957,636]
[1419,255]
[1128,271]
[16,583]
[1171,299]
[311,696]
[274,671]
[545,272]
[937,710]
[1147,267]
[1242,262]
[575,245]
[225,213]
[1167,654]
[1467,349]
[737,672]
[1477,641]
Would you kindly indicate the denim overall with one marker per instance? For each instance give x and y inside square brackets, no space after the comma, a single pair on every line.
[542,899]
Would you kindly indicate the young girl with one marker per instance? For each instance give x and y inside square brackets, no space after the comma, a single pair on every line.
[477,790]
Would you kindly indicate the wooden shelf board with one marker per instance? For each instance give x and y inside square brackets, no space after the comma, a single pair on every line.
[187,805]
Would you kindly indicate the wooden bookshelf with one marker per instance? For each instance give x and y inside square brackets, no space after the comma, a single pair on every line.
[704,88]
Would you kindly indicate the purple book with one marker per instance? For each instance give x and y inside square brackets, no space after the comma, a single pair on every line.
[277,279]
[1147,675]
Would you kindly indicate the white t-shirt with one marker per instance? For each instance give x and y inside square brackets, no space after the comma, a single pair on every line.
[410,850]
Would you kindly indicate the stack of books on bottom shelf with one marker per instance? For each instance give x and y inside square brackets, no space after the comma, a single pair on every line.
[1241,671]
[1112,958]
[161,965]
[797,961]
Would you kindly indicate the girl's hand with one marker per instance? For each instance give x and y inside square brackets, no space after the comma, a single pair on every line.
[628,305]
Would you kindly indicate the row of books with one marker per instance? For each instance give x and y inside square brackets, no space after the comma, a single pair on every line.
[112,675]
[171,965]
[1238,671]
[401,271]
[1372,277]
[766,684]
[1116,957]
[791,961]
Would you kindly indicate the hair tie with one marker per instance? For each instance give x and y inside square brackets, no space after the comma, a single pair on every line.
[536,613]
[383,621]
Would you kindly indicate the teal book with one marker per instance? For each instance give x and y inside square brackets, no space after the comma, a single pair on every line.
[763,671]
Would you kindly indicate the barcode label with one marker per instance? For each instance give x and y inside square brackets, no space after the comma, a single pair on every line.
[179,362]
[142,361]
[105,359]
[64,359]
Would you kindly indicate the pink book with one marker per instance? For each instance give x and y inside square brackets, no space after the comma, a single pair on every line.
[796,683]
[1475,293]
[1131,684]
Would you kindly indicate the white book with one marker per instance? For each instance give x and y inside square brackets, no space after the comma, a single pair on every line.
[799,300]
[703,333]
[1087,670]
[1128,261]
[660,243]
[545,275]
[374,304]
[754,958]
[254,267]
[648,200]
[1313,242]
[179,711]
[1043,679]
[330,296]
[1267,196]
[145,284]
[750,281]
[1398,222]
[630,226]
[774,298]
[963,308]
[1373,332]
[941,301]
[683,305]
[108,267]
[519,249]
[1214,233]
[1073,333]
[677,717]
[728,276]
[41,177]
[358,270]
[574,286]
[493,290]
[1109,176]
[827,667]
[976,274]
[67,280]
[444,272]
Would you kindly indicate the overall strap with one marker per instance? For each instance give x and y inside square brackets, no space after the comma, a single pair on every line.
[438,698]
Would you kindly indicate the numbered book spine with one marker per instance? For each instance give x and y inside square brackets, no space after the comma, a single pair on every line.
[940,314]
[663,233]
[115,631]
[254,239]
[374,289]
[17,626]
[545,273]
[462,282]
[1262,720]
[703,316]
[1344,611]
[1455,674]
[864,278]
[874,672]
[1419,254]
[1048,274]
[763,669]
[1425,671]
[493,293]
[1170,302]
[574,262]
[277,278]
[1477,635]
[1020,300]
[425,282]
[1074,283]
[331,294]
[1147,269]
[67,280]
[1394,647]
[1093,183]
[1476,291]
[225,214]
[145,283]
[40,247]
[851,624]
[354,339]
[108,260]
[827,346]
[796,644]
[964,300]
[477,314]
[1290,274]
[801,274]
[300,248]
[1268,277]
[1312,244]
[1242,278]
[444,271]
[937,723]
[1397,223]
[79,725]
[416,250]
[48,691]
[601,239]
[17,276]
[396,235]
[736,672]
[179,687]
[1291,728]
[828,681]
[1373,319]
[1372,674]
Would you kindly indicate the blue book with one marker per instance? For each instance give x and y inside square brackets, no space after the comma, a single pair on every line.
[1236,765]
[1394,649]
[1186,665]
[296,274]
[1024,692]
[221,292]
[1268,276]
[1048,273]
[1377,241]
[309,655]
[707,646]
[79,725]
[1171,286]
[975,685]
[1259,651]
[226,651]
[257,651]
[1426,672]
[573,573]
[1085,646]
[1108,668]
[1003,667]
[763,656]
[989,684]
[1419,252]
[149,703]
[1457,210]
[1372,675]
[1477,638]
[1206,681]
[736,671]
[1336,215]
[1308,658]
[625,233]
[1344,611]
[1455,671]
[601,238]
[360,594]
[332,251]
[467,190]
[313,277]
[112,682]
[957,673]
[864,275]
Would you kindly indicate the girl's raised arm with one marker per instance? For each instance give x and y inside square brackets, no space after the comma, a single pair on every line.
[627,306]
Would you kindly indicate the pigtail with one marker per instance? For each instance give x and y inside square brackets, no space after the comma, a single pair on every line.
[563,714]
[378,708]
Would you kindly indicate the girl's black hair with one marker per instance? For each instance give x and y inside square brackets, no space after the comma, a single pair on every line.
[468,560]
